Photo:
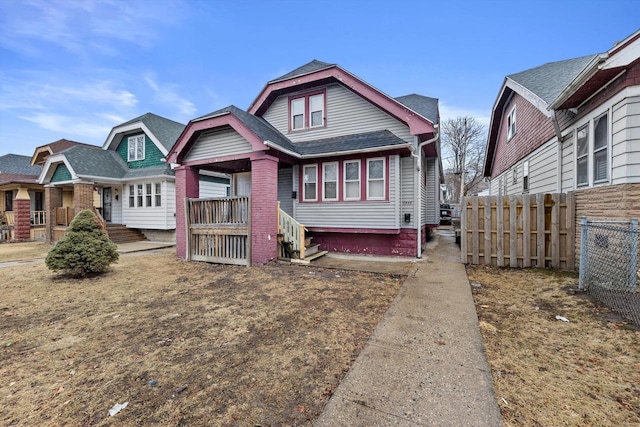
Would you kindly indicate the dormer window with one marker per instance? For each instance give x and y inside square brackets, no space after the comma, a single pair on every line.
[136,148]
[511,124]
[307,111]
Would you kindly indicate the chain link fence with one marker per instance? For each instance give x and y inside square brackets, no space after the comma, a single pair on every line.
[609,264]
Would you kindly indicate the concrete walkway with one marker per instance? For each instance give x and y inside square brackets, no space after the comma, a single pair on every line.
[425,363]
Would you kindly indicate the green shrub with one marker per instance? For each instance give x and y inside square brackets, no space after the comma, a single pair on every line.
[85,249]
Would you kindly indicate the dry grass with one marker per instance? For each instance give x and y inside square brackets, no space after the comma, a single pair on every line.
[23,251]
[225,345]
[550,373]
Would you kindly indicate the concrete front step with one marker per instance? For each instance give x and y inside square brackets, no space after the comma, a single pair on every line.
[308,259]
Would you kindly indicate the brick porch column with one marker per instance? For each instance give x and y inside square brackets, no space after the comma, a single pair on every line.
[22,215]
[52,200]
[82,197]
[187,186]
[264,210]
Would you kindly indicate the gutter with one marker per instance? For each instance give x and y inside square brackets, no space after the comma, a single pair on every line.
[418,178]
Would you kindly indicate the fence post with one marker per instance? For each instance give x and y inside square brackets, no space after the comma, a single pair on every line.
[583,251]
[634,254]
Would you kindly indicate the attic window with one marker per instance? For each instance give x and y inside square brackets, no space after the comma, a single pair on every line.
[307,111]
[511,124]
[136,148]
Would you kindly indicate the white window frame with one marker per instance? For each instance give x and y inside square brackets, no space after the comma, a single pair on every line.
[139,195]
[383,179]
[322,104]
[345,180]
[134,142]
[525,176]
[132,196]
[304,183]
[514,176]
[148,199]
[336,181]
[157,194]
[511,123]
[604,148]
[586,127]
[302,100]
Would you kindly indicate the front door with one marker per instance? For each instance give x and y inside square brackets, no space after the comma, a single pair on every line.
[106,203]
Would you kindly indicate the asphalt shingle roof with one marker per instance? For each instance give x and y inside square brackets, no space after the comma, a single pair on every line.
[17,164]
[307,68]
[549,80]
[95,162]
[167,131]
[150,171]
[361,141]
[425,106]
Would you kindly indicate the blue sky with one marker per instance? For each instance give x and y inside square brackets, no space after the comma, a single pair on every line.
[75,68]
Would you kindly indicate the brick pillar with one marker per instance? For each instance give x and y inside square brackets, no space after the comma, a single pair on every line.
[82,197]
[264,210]
[22,215]
[187,185]
[52,200]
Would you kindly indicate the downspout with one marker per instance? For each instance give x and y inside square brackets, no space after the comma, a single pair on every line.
[556,127]
[418,179]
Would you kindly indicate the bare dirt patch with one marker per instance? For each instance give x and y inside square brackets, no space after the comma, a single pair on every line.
[547,372]
[23,251]
[184,343]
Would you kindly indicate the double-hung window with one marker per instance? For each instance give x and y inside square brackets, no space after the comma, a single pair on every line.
[158,193]
[600,146]
[139,196]
[375,179]
[511,123]
[307,111]
[309,190]
[330,181]
[132,196]
[148,195]
[525,176]
[582,155]
[136,148]
[352,180]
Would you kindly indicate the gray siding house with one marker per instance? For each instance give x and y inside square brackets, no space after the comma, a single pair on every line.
[359,169]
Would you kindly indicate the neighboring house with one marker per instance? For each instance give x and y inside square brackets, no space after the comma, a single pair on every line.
[21,199]
[127,180]
[359,169]
[572,125]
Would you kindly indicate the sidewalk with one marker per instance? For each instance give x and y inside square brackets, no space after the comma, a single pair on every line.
[425,363]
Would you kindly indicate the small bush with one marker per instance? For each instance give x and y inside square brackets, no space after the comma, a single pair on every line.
[85,249]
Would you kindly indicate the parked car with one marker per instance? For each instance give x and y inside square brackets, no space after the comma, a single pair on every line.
[446,212]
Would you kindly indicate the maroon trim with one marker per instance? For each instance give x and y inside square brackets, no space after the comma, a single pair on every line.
[189,135]
[301,183]
[246,156]
[355,230]
[307,112]
[417,124]
[321,169]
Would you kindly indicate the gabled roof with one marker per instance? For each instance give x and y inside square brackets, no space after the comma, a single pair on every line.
[9,178]
[426,106]
[41,152]
[549,80]
[18,164]
[307,68]
[164,132]
[317,73]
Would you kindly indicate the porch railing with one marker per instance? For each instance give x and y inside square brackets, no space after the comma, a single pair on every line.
[291,235]
[10,218]
[64,215]
[38,217]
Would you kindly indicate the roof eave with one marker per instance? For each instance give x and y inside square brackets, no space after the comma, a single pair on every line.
[589,70]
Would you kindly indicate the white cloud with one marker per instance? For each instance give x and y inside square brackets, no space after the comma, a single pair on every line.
[87,126]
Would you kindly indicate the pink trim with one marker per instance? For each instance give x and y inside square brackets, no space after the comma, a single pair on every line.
[254,155]
[307,112]
[355,230]
[417,124]
[186,139]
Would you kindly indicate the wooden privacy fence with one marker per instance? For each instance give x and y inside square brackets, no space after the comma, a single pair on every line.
[536,230]
[219,230]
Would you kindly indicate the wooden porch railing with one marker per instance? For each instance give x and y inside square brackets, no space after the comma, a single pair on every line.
[291,235]
[38,217]
[10,218]
[64,215]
